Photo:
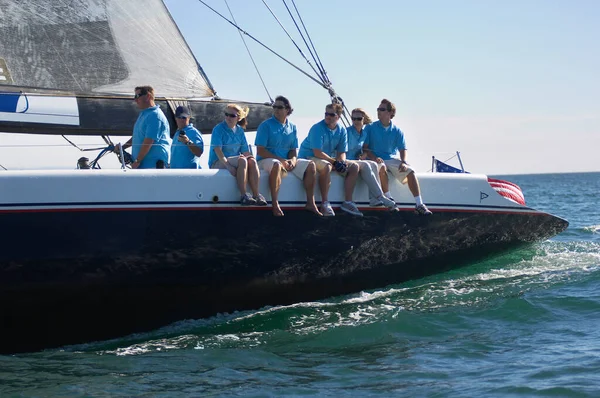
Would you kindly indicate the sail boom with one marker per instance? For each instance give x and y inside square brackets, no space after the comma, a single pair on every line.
[56,112]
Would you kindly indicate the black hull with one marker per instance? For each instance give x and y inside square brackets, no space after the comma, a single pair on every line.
[115,115]
[134,271]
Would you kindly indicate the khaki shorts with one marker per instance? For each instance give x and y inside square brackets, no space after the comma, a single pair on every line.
[301,166]
[322,164]
[392,166]
[268,164]
[232,160]
[300,169]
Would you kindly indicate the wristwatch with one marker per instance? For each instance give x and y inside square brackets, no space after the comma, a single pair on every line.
[188,143]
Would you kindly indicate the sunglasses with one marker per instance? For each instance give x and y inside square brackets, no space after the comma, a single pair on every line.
[330,114]
[181,117]
[382,110]
[357,118]
[138,95]
[227,114]
[278,107]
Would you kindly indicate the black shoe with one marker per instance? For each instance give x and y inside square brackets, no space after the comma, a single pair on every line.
[260,200]
[247,200]
[422,210]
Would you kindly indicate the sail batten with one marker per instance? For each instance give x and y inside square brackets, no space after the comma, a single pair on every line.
[97,46]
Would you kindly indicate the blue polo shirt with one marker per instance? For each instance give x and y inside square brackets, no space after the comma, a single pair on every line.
[322,137]
[277,138]
[231,141]
[384,142]
[152,123]
[355,142]
[181,156]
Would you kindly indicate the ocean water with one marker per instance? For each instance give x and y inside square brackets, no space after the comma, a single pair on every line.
[524,324]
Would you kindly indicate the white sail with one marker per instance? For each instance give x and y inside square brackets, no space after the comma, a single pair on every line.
[99,46]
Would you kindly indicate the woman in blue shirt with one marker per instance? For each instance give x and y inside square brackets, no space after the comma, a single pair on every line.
[368,169]
[229,150]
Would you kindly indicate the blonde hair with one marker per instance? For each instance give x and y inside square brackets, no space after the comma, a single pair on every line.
[242,114]
[366,118]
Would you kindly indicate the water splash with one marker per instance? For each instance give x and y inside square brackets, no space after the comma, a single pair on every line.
[592,228]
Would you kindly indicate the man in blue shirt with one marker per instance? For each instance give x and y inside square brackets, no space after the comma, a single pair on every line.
[326,145]
[187,142]
[276,143]
[384,140]
[151,142]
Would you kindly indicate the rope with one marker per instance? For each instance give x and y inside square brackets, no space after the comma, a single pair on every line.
[250,54]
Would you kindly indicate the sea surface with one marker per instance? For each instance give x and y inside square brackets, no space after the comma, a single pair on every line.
[524,324]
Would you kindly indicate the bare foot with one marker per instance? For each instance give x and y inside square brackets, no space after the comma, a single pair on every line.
[277,212]
[313,209]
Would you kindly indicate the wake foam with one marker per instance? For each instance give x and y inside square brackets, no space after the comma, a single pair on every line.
[478,286]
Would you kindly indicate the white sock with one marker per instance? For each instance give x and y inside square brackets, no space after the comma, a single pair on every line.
[418,200]
[388,194]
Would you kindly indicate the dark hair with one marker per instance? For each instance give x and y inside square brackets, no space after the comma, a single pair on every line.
[145,90]
[390,107]
[337,108]
[286,102]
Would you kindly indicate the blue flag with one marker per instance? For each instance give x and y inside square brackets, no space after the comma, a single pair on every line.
[442,167]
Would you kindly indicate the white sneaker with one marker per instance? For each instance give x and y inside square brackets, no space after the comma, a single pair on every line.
[375,202]
[327,210]
[387,202]
[350,207]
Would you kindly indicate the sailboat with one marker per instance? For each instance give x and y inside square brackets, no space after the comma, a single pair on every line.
[95,254]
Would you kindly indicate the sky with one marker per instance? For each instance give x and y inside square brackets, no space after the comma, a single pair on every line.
[512,85]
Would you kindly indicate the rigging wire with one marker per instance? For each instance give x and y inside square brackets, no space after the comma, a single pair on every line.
[265,46]
[317,59]
[321,73]
[310,40]
[4,167]
[296,45]
[250,54]
[75,145]
[314,56]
